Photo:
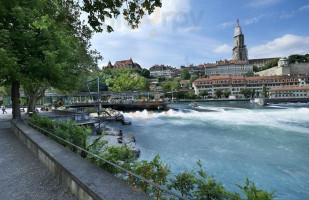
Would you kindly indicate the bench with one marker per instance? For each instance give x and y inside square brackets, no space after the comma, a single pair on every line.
[22,109]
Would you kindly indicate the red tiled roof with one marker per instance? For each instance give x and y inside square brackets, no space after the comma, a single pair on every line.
[183,82]
[289,88]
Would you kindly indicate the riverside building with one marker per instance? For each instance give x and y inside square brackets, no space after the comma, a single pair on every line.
[289,92]
[236,83]
[162,70]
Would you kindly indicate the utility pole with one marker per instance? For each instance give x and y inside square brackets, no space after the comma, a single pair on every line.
[99,103]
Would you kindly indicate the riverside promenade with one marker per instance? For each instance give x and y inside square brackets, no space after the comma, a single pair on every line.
[22,175]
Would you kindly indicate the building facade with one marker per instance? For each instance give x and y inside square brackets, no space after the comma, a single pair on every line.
[228,69]
[240,51]
[236,83]
[289,92]
[162,70]
[123,64]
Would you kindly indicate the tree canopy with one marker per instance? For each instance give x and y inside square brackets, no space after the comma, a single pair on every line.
[296,58]
[45,43]
[185,74]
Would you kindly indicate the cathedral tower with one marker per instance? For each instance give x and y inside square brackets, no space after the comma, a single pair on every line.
[240,50]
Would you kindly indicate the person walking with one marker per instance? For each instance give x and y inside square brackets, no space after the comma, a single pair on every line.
[3,109]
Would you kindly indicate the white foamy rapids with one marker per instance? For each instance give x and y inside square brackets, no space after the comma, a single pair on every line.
[287,119]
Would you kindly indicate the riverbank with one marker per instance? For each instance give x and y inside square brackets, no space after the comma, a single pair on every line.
[210,100]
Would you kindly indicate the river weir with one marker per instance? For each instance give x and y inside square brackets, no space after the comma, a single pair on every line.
[234,141]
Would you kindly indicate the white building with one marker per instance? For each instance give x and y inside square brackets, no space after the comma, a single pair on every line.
[229,69]
[236,83]
[289,92]
[161,70]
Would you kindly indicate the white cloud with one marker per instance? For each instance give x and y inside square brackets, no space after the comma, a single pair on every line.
[283,46]
[223,49]
[227,24]
[306,7]
[252,20]
[261,3]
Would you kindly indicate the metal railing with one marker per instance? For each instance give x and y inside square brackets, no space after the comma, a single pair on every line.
[111,163]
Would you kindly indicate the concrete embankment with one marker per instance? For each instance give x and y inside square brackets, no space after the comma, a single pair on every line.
[82,178]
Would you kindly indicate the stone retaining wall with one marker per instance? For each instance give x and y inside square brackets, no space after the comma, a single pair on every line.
[82,178]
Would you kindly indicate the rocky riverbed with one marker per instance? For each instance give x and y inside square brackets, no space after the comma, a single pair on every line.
[116,138]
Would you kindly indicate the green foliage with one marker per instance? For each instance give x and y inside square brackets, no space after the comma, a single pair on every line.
[132,11]
[246,92]
[256,68]
[67,130]
[268,65]
[207,188]
[219,93]
[252,193]
[298,58]
[126,80]
[249,74]
[121,156]
[184,183]
[3,91]
[226,93]
[145,73]
[264,91]
[185,74]
[192,95]
[193,78]
[190,184]
[204,93]
[156,171]
[171,85]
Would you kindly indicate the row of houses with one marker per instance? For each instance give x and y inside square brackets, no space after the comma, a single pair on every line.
[235,84]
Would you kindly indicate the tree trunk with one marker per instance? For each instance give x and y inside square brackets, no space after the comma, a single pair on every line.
[34,94]
[15,100]
[31,103]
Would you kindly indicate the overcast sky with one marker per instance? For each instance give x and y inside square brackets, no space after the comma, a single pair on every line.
[185,32]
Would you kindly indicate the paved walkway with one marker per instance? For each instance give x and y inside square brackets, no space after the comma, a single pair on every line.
[22,176]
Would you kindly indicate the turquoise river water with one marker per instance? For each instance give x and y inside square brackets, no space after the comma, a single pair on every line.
[234,140]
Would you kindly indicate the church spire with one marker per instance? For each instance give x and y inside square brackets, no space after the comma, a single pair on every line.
[237,29]
[240,49]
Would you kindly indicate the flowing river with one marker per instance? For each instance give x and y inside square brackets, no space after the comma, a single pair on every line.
[233,140]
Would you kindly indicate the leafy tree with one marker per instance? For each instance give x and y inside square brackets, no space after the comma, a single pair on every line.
[264,91]
[296,58]
[218,93]
[132,10]
[171,85]
[203,93]
[192,95]
[249,74]
[226,93]
[246,92]
[185,74]
[128,82]
[193,78]
[145,73]
[256,68]
[44,42]
[3,91]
